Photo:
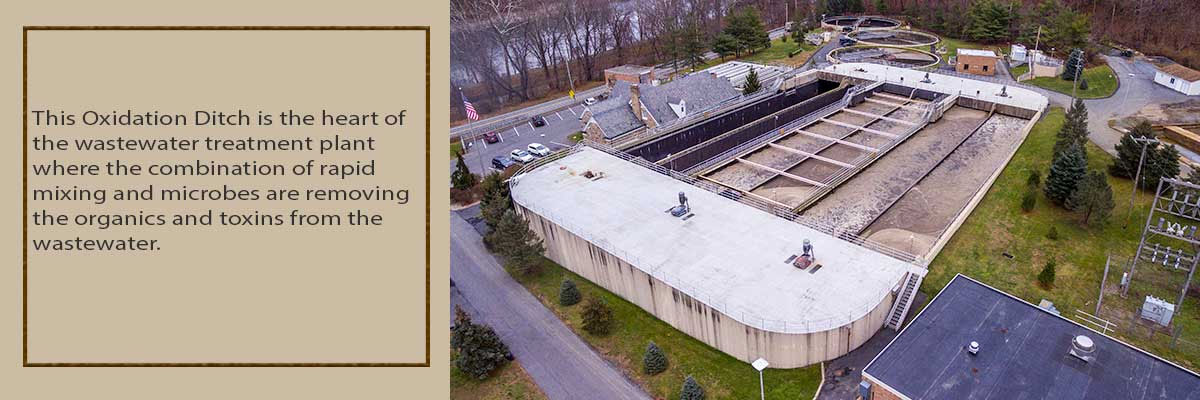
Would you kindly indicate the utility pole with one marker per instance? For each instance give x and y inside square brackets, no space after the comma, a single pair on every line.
[1078,69]
[1145,142]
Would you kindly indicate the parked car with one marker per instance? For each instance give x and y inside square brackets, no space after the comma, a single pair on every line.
[538,120]
[491,137]
[539,150]
[589,101]
[521,155]
[502,162]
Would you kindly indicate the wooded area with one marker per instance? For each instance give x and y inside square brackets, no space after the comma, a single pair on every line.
[511,51]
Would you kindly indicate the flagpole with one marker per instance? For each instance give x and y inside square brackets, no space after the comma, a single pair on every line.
[471,130]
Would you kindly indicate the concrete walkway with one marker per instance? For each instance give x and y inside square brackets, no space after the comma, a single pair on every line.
[557,360]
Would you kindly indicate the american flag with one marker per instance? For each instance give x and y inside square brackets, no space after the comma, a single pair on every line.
[471,114]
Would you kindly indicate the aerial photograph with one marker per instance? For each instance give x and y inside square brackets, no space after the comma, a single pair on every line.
[824,199]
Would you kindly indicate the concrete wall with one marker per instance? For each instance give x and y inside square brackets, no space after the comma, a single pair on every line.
[697,319]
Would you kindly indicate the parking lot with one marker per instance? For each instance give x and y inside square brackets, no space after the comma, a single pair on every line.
[559,125]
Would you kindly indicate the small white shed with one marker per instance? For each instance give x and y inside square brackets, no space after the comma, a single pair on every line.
[1180,78]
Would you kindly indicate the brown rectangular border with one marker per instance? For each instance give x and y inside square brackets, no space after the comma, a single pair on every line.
[25,194]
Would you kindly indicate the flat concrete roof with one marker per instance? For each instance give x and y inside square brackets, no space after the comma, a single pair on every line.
[730,256]
[977,53]
[1017,96]
[1023,354]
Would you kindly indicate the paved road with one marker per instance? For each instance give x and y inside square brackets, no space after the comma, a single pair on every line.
[547,107]
[1136,91]
[557,360]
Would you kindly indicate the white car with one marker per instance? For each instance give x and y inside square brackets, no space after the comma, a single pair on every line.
[589,101]
[521,155]
[538,150]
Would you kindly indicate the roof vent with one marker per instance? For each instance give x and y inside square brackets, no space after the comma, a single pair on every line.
[1083,348]
[973,348]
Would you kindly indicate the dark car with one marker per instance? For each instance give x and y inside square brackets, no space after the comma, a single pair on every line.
[502,162]
[538,120]
[491,137]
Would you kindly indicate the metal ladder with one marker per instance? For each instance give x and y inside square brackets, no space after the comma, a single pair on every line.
[912,282]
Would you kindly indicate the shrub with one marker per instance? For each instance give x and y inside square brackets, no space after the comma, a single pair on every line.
[1035,178]
[1083,85]
[654,361]
[597,317]
[1028,201]
[1046,277]
[568,295]
[1052,234]
[479,348]
[691,390]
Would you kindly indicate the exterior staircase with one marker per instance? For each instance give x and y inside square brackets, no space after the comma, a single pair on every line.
[896,317]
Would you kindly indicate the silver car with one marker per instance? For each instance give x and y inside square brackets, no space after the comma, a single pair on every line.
[539,150]
[521,155]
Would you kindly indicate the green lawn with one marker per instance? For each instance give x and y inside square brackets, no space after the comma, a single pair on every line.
[998,225]
[575,137]
[455,147]
[509,382]
[1101,83]
[778,52]
[722,376]
[952,46]
[1019,70]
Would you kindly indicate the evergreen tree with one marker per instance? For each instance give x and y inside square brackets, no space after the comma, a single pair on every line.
[597,317]
[1035,179]
[1052,234]
[568,294]
[654,361]
[752,85]
[691,43]
[1029,200]
[462,178]
[746,27]
[520,248]
[856,6]
[1068,168]
[495,199]
[988,21]
[1073,67]
[800,26]
[691,390]
[1093,198]
[1129,151]
[725,45]
[1083,85]
[1162,162]
[1074,130]
[1046,277]
[881,7]
[478,347]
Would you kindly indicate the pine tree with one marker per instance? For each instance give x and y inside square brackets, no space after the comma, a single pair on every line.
[988,21]
[752,85]
[1074,65]
[495,199]
[1046,277]
[1029,200]
[1093,198]
[597,317]
[746,27]
[1129,151]
[725,45]
[691,43]
[1162,162]
[478,347]
[568,294]
[654,361]
[1068,168]
[462,178]
[520,248]
[691,390]
[1074,129]
[881,7]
